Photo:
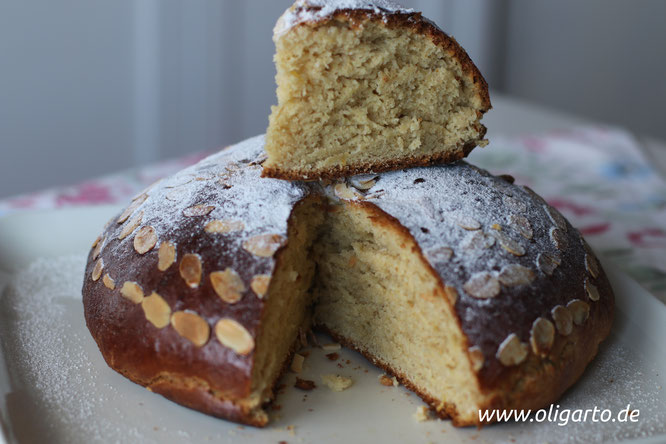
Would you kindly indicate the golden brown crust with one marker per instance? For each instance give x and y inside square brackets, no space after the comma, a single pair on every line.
[340,171]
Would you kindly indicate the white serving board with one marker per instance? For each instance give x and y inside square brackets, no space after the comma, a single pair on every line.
[55,386]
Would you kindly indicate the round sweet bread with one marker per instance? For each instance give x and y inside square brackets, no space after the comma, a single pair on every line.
[471,290]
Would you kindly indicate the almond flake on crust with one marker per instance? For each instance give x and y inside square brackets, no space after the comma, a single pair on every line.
[224,226]
[157,310]
[563,319]
[591,290]
[558,238]
[97,270]
[542,336]
[198,210]
[592,265]
[233,335]
[264,245]
[132,291]
[467,222]
[482,285]
[556,217]
[580,311]
[514,274]
[130,226]
[108,281]
[191,326]
[547,263]
[190,269]
[166,256]
[228,285]
[511,351]
[259,284]
[522,225]
[145,239]
[514,204]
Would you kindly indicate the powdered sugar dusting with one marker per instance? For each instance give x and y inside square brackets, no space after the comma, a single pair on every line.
[314,10]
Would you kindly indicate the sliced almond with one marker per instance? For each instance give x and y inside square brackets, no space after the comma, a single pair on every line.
[345,192]
[157,310]
[514,204]
[233,335]
[97,248]
[563,319]
[145,239]
[223,226]
[513,275]
[260,284]
[590,289]
[580,311]
[439,255]
[131,208]
[191,326]
[364,183]
[178,194]
[130,226]
[190,269]
[334,346]
[508,244]
[511,351]
[542,336]
[555,216]
[132,291]
[592,265]
[467,222]
[477,358]
[228,285]
[108,282]
[476,242]
[264,245]
[559,238]
[166,256]
[97,270]
[482,285]
[198,210]
[521,225]
[547,263]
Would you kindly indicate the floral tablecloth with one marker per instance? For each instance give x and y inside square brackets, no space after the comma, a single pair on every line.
[596,176]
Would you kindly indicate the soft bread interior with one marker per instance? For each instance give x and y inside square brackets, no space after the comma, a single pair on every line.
[393,95]
[288,299]
[365,281]
[374,290]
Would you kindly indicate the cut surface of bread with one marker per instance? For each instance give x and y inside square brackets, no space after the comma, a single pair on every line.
[374,291]
[288,301]
[362,90]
